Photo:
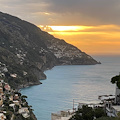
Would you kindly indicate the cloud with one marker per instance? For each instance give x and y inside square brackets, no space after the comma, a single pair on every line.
[97,11]
[64,12]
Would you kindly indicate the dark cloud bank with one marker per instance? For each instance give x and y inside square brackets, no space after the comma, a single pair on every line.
[69,12]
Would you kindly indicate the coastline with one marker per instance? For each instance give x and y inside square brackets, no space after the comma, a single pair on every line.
[50,93]
[44,78]
[28,85]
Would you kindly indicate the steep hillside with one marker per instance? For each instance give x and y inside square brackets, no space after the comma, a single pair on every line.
[26,51]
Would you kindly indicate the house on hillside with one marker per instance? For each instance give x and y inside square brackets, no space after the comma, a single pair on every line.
[1,101]
[111,103]
[2,116]
[24,111]
[7,87]
[16,102]
[1,90]
[16,97]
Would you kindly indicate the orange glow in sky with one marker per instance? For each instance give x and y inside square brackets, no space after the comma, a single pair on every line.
[69,28]
[94,40]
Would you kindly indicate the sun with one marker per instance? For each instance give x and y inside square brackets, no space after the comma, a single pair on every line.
[69,28]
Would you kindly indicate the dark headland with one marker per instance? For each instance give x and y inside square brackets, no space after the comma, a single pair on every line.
[26,52]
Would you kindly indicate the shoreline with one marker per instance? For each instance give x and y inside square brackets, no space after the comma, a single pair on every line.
[39,81]
[28,85]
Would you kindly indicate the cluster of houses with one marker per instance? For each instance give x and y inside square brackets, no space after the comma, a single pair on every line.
[12,101]
[110,103]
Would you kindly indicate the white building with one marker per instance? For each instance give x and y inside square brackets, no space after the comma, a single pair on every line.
[111,103]
[117,96]
[2,116]
[25,112]
[62,115]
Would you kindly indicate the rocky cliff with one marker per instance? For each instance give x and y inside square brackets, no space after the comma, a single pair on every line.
[26,51]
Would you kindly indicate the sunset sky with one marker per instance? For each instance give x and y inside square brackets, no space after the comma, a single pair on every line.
[91,25]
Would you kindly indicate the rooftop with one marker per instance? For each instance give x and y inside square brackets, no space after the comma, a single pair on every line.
[116,107]
[106,97]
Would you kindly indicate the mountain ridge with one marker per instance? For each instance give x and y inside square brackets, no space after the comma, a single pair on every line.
[27,52]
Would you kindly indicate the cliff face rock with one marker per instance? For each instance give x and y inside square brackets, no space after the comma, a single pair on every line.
[27,51]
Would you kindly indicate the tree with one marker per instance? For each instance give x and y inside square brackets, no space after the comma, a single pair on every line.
[107,118]
[16,108]
[99,112]
[24,96]
[116,79]
[88,113]
[8,115]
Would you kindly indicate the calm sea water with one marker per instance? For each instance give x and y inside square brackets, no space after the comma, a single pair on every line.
[64,83]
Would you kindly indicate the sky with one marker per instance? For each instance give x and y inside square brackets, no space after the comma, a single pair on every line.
[91,25]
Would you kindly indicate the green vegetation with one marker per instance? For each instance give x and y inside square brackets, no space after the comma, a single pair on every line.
[108,118]
[9,115]
[116,79]
[88,113]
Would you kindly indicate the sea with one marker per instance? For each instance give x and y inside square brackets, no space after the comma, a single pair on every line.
[81,83]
